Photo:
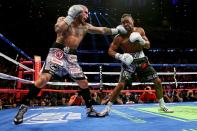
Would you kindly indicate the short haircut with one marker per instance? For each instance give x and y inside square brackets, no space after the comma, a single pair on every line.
[127,15]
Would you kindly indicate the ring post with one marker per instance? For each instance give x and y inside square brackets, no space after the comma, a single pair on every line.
[37,67]
[101,77]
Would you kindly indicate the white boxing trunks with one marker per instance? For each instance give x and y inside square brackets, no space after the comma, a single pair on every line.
[62,63]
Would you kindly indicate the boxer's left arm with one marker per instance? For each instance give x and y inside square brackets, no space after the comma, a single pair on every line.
[104,30]
[112,51]
[147,42]
[139,36]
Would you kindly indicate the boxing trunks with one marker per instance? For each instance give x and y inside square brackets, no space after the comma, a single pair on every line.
[62,61]
[139,67]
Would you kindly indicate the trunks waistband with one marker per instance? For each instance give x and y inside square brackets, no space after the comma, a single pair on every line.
[66,49]
[138,55]
[140,60]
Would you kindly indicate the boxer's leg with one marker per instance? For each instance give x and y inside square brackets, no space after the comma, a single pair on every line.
[159,92]
[34,90]
[77,75]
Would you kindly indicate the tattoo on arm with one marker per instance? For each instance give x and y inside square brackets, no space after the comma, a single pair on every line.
[107,30]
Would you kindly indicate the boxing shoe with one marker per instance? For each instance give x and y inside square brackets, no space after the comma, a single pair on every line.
[107,109]
[91,112]
[18,119]
[165,109]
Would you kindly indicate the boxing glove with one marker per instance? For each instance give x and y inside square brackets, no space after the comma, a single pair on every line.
[126,58]
[72,13]
[135,37]
[119,30]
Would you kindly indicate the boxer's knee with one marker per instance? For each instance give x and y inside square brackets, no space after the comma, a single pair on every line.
[121,85]
[157,81]
[42,80]
[82,84]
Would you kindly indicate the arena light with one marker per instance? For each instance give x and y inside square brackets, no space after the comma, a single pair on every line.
[106,39]
[170,50]
[106,20]
[174,2]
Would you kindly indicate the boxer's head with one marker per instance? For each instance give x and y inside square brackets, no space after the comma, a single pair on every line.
[79,13]
[127,21]
[83,16]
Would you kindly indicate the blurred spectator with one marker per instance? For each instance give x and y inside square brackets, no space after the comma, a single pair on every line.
[168,96]
[42,103]
[1,105]
[76,100]
[54,100]
[63,101]
[95,98]
[177,96]
[190,96]
[147,96]
[117,101]
[129,98]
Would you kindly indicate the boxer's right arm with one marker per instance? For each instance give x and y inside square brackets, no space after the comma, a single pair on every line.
[114,46]
[125,57]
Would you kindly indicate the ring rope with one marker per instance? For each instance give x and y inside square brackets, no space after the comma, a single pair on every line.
[159,73]
[108,64]
[15,62]
[105,73]
[9,77]
[155,65]
[5,90]
[14,46]
[115,64]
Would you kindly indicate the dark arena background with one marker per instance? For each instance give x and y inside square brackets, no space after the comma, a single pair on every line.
[27,30]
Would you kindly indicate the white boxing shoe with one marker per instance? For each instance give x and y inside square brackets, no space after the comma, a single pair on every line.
[107,109]
[91,112]
[165,109]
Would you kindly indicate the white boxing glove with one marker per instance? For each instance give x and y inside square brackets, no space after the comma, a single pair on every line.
[73,11]
[119,30]
[136,37]
[126,58]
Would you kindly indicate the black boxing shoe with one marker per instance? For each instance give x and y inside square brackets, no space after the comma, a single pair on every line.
[18,119]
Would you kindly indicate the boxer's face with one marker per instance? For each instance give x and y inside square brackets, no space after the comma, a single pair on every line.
[128,23]
[84,15]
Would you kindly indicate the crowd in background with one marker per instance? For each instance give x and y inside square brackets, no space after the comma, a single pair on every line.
[8,100]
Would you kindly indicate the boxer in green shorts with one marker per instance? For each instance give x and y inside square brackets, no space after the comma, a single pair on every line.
[134,62]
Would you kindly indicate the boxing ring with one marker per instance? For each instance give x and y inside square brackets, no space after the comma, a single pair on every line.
[135,117]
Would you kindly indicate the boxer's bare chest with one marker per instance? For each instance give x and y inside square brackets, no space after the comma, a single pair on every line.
[73,36]
[129,47]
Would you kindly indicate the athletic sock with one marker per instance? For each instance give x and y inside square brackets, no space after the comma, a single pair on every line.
[85,93]
[33,92]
